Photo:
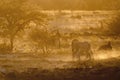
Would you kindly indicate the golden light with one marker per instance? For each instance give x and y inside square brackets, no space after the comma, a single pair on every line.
[102,55]
[98,55]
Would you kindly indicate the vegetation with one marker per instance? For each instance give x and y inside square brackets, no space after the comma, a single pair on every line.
[14,17]
[19,18]
[45,39]
[78,4]
[115,26]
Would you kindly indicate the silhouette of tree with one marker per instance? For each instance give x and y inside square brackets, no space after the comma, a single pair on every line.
[14,17]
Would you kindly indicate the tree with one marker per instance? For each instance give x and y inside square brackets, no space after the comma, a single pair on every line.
[14,17]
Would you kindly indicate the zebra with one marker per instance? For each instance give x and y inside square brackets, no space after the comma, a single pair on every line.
[107,46]
[81,48]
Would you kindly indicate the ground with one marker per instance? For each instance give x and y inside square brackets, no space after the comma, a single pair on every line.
[25,66]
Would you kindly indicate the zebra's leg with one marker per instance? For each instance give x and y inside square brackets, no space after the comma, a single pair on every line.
[91,59]
[78,55]
[91,56]
[73,56]
[73,53]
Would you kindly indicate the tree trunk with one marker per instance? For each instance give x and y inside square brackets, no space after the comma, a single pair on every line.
[59,43]
[11,44]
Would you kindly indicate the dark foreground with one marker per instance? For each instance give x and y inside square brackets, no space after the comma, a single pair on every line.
[110,73]
[101,70]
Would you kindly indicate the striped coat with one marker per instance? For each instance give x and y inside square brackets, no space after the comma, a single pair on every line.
[81,49]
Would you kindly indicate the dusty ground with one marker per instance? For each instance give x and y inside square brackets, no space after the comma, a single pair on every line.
[24,66]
